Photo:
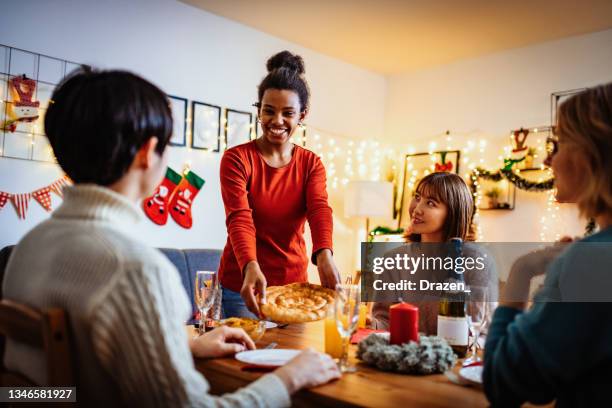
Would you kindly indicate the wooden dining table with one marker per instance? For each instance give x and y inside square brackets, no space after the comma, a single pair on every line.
[368,387]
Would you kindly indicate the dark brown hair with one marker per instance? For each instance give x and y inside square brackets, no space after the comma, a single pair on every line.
[286,72]
[450,189]
[98,120]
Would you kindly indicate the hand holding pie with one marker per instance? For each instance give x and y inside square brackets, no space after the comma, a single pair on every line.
[297,303]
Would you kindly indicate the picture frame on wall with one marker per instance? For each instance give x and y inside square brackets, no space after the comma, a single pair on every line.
[178,106]
[557,98]
[205,126]
[417,166]
[238,125]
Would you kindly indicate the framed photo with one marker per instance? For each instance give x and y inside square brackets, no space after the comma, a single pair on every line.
[237,127]
[205,126]
[417,166]
[557,98]
[178,106]
[497,195]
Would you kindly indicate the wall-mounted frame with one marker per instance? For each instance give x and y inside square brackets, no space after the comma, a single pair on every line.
[178,106]
[238,127]
[416,166]
[22,120]
[557,98]
[205,126]
[496,195]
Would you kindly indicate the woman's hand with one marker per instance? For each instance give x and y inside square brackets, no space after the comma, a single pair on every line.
[525,268]
[254,283]
[328,273]
[308,369]
[220,342]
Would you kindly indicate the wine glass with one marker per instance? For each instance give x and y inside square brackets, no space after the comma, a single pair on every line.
[346,307]
[206,290]
[476,313]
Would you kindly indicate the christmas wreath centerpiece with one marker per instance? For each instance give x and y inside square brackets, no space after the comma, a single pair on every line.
[430,355]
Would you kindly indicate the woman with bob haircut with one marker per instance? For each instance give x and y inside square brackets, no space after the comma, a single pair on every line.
[441,209]
[561,348]
[124,300]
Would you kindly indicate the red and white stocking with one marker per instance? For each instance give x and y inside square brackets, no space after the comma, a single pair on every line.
[156,206]
[182,199]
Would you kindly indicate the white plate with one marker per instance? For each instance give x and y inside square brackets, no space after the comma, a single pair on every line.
[270,325]
[472,374]
[267,358]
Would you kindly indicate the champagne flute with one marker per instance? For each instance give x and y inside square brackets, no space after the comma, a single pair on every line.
[347,314]
[476,313]
[206,290]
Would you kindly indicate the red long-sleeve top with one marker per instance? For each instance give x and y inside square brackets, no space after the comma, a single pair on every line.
[266,209]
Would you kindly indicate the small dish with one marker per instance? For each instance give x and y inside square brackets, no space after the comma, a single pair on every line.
[267,357]
[472,374]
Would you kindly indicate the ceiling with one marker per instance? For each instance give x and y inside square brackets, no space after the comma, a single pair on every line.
[396,36]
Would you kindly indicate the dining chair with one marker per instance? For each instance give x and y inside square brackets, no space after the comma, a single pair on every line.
[42,329]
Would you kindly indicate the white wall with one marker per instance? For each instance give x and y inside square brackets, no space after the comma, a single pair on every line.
[487,97]
[189,53]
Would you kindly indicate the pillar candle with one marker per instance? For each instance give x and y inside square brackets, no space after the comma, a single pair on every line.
[403,323]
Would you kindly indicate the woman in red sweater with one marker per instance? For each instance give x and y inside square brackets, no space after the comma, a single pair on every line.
[270,187]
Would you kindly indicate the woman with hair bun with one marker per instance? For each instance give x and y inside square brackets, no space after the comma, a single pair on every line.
[270,187]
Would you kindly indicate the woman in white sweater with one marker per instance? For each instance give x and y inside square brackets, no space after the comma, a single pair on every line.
[124,300]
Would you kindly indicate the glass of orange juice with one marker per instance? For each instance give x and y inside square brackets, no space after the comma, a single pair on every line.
[333,341]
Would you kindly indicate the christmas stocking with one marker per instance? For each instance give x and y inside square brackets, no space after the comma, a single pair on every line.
[182,198]
[156,206]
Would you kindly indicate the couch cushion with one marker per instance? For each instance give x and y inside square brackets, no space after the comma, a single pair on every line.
[188,261]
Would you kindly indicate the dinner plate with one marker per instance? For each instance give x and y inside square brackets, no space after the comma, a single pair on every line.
[472,374]
[270,325]
[267,357]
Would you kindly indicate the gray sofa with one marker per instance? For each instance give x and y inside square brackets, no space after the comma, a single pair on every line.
[187,261]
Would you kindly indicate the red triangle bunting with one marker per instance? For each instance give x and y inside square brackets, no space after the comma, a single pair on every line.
[20,202]
[4,197]
[43,197]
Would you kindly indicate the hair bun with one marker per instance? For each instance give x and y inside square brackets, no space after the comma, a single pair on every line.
[285,59]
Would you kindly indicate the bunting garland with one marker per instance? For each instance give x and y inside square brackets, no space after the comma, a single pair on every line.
[42,196]
[20,202]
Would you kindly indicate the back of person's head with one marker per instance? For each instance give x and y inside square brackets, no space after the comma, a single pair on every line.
[450,189]
[98,120]
[286,72]
[585,122]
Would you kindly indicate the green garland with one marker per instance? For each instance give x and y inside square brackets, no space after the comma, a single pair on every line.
[514,178]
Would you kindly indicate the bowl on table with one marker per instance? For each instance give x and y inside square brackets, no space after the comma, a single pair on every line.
[254,328]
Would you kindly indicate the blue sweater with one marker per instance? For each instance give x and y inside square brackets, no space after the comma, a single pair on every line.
[561,349]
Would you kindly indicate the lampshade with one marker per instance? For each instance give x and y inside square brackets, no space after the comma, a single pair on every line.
[369,199]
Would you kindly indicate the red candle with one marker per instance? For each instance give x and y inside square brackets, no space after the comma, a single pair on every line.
[403,323]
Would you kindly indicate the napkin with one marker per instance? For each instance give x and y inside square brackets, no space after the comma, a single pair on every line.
[363,333]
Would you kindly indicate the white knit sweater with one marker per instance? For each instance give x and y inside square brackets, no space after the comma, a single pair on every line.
[126,308]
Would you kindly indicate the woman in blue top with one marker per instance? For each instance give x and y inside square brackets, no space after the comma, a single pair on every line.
[561,348]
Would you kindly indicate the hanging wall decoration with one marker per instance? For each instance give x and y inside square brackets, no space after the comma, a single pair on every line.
[179,119]
[174,196]
[419,165]
[42,196]
[205,126]
[238,127]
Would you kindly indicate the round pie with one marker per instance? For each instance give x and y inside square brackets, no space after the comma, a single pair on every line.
[297,303]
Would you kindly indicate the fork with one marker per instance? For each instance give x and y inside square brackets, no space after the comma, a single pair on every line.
[270,346]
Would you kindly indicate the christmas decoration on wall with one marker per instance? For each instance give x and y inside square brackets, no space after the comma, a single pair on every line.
[42,196]
[519,148]
[174,196]
[443,165]
[156,206]
[182,199]
[22,108]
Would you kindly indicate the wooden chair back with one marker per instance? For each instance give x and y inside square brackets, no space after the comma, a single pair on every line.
[46,330]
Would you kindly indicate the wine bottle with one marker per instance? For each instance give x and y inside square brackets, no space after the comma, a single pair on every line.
[452,323]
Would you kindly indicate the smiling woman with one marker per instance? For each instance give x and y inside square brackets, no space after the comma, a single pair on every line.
[270,187]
